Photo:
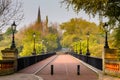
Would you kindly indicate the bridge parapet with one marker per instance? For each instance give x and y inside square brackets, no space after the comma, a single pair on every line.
[111,62]
[8,64]
[93,61]
[24,62]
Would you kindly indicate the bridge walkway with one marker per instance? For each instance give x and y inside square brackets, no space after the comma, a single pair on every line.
[65,68]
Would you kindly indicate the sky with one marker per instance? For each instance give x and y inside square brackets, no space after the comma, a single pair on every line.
[52,9]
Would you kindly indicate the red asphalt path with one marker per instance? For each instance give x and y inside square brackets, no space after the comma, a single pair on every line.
[65,68]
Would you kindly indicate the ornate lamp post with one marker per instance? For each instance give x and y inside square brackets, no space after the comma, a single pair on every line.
[42,46]
[88,53]
[80,47]
[105,26]
[76,47]
[13,26]
[34,50]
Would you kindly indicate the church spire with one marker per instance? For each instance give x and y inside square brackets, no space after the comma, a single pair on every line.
[39,16]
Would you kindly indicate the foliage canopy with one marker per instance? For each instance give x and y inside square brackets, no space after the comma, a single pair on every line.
[76,29]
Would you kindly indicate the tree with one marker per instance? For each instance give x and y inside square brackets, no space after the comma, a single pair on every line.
[109,8]
[76,29]
[116,33]
[45,41]
[1,37]
[50,41]
[55,31]
[9,31]
[27,42]
[10,10]
[103,8]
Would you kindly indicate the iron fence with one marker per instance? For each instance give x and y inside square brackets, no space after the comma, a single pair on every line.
[23,62]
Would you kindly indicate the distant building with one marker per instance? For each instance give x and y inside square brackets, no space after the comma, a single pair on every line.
[42,26]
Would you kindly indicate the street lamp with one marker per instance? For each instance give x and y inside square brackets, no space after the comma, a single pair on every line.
[88,35]
[71,48]
[13,27]
[42,46]
[34,50]
[80,47]
[105,26]
[76,47]
[46,47]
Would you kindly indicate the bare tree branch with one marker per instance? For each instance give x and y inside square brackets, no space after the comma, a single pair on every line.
[10,10]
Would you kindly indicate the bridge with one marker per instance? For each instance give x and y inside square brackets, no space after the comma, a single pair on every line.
[58,66]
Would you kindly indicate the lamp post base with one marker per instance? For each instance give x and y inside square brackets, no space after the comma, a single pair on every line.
[88,53]
[106,45]
[80,51]
[12,46]
[34,52]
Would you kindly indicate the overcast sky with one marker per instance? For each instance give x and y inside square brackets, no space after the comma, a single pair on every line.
[53,9]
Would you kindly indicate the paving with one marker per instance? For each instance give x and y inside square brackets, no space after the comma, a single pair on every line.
[29,72]
[65,68]
[20,76]
[36,67]
[99,72]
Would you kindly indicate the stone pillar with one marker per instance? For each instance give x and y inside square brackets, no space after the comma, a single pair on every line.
[111,62]
[9,62]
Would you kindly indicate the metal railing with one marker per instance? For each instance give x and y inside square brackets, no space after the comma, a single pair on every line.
[93,61]
[24,62]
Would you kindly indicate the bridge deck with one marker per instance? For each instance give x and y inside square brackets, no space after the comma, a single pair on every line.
[65,68]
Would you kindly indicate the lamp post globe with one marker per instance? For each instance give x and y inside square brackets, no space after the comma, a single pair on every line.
[13,27]
[34,35]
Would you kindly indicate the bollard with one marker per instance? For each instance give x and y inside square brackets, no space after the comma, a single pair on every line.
[52,69]
[78,69]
